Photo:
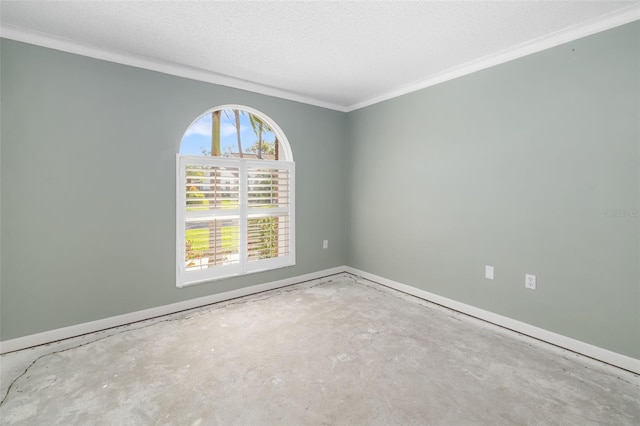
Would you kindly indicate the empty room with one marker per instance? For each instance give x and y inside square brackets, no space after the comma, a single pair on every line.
[319,213]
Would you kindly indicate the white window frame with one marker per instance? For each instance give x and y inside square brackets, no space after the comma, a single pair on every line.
[243,213]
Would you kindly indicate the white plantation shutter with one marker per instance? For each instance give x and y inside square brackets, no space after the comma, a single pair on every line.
[234,216]
[268,199]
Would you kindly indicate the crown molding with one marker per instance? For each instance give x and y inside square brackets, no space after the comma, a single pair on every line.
[615,19]
[612,20]
[58,43]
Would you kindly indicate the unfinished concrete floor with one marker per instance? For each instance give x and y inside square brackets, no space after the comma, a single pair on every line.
[335,351]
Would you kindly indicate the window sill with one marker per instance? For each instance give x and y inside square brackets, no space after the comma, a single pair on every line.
[224,277]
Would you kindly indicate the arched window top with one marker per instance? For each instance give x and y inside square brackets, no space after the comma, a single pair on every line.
[236,131]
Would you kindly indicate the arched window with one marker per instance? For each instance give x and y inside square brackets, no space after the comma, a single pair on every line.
[235,196]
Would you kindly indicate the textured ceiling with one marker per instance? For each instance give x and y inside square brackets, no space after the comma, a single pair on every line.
[335,53]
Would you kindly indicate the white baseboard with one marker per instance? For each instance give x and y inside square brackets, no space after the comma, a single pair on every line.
[582,348]
[119,320]
[579,347]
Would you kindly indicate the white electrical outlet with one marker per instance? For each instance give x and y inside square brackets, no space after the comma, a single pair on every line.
[488,272]
[325,244]
[530,281]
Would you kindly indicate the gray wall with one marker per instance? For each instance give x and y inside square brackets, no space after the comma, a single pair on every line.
[517,167]
[88,186]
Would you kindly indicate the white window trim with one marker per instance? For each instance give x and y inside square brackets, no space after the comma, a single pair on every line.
[184,278]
